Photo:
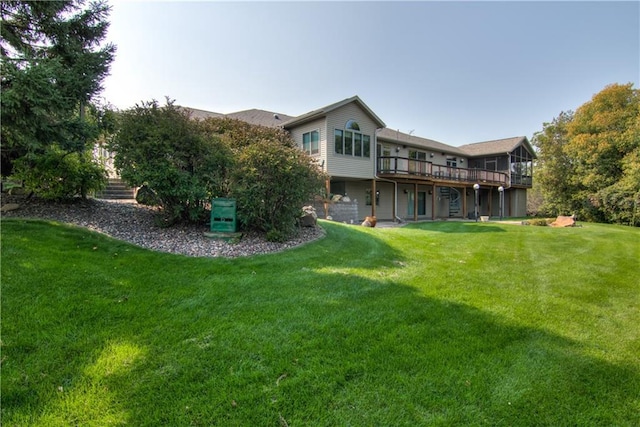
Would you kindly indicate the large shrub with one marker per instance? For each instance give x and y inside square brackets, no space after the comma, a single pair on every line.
[58,175]
[184,163]
[271,178]
[271,182]
[161,148]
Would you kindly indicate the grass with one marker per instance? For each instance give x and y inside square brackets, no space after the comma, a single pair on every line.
[442,323]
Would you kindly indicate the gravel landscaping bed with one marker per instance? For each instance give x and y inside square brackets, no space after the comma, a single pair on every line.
[135,223]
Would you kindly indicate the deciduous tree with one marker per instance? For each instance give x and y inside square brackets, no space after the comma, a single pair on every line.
[554,167]
[604,142]
[589,161]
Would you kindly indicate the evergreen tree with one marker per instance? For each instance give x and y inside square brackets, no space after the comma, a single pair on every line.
[53,62]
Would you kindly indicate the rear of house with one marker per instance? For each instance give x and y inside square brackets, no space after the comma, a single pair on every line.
[381,172]
[394,175]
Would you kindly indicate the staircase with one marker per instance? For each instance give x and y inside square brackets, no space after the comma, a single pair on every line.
[116,190]
[454,203]
[454,200]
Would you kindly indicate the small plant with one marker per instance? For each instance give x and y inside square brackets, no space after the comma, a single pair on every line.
[59,175]
[540,222]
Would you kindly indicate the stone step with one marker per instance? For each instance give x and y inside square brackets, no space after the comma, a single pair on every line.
[116,190]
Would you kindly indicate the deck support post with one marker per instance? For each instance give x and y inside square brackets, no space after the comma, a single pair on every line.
[433,202]
[373,198]
[464,202]
[490,197]
[415,201]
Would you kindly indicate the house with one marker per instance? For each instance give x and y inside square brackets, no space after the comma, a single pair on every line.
[393,175]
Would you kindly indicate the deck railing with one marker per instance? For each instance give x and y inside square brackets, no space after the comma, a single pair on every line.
[393,165]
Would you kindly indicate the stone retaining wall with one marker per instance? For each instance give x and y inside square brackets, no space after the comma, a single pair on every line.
[340,211]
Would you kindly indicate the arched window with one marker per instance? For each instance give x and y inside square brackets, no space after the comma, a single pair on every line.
[352,142]
[352,125]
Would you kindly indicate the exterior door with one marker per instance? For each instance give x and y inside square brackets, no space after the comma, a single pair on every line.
[422,203]
[417,162]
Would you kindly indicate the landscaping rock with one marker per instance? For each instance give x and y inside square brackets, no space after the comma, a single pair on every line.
[9,207]
[309,218]
[564,221]
[136,224]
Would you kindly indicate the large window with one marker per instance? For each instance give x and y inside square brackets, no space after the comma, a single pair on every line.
[310,142]
[521,166]
[352,142]
[338,134]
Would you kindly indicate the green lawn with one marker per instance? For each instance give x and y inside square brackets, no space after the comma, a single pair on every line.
[443,323]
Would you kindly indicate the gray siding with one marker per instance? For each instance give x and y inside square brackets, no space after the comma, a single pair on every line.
[518,201]
[339,165]
[320,125]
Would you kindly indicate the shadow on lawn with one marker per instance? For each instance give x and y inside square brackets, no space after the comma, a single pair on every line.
[320,349]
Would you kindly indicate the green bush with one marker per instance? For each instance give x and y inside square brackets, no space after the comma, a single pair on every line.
[146,196]
[163,149]
[60,175]
[271,182]
[185,163]
[540,222]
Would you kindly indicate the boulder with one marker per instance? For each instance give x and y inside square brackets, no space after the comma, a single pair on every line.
[369,221]
[9,207]
[564,221]
[309,217]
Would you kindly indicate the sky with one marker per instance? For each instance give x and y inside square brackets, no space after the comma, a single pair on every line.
[455,72]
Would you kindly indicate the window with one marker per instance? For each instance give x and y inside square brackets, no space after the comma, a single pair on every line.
[418,162]
[348,142]
[368,200]
[310,142]
[338,138]
[352,125]
[351,141]
[366,146]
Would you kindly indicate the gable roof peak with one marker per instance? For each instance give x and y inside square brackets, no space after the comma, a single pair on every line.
[323,111]
[497,146]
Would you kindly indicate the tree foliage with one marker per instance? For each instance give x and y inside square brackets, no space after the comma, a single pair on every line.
[554,166]
[53,65]
[271,183]
[589,162]
[161,148]
[59,175]
[186,163]
[271,178]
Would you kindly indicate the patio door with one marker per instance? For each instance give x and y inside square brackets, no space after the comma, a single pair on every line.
[417,162]
[422,203]
[386,160]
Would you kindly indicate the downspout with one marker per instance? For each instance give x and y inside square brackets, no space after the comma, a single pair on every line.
[509,170]
[377,178]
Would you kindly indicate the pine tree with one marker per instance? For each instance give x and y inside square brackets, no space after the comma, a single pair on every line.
[53,62]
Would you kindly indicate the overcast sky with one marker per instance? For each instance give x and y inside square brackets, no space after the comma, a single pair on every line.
[456,72]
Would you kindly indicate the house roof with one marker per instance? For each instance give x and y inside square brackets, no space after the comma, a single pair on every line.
[321,112]
[253,116]
[497,146]
[260,117]
[200,114]
[398,137]
[271,119]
